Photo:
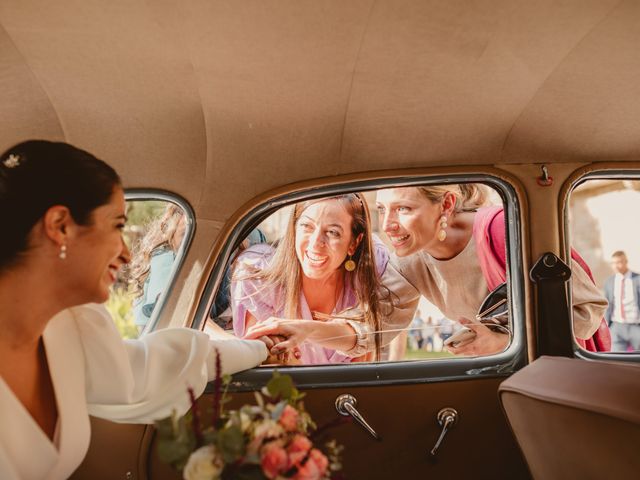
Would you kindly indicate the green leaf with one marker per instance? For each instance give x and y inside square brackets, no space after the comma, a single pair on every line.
[281,386]
[210,436]
[230,442]
[175,440]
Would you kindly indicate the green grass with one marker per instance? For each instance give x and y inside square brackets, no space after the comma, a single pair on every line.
[120,307]
[424,355]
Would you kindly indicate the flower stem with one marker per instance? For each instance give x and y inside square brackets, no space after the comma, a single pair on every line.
[195,422]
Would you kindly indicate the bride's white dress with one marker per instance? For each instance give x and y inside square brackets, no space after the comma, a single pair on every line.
[94,372]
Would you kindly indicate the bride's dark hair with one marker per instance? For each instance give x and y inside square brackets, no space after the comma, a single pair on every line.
[38,174]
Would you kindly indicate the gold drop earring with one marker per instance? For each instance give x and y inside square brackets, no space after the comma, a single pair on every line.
[350,265]
[442,233]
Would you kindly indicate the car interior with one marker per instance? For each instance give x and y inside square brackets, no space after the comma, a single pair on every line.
[221,116]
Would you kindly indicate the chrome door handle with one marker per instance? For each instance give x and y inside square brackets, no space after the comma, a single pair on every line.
[447,418]
[346,406]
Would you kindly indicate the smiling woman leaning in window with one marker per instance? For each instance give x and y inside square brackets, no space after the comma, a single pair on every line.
[65,211]
[451,249]
[326,263]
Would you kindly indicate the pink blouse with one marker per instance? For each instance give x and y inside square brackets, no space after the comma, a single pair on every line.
[264,301]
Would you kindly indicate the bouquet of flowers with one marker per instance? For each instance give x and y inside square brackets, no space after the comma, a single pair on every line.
[269,440]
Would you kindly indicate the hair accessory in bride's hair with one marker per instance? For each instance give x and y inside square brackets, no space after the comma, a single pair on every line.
[12,161]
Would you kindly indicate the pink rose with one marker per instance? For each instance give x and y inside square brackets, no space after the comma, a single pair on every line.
[289,418]
[314,468]
[322,462]
[274,460]
[298,449]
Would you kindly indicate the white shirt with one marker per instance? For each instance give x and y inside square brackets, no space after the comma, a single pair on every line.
[94,372]
[628,304]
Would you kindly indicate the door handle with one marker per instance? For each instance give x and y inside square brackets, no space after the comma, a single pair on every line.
[346,406]
[447,418]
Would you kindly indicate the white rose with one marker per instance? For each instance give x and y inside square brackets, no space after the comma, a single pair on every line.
[268,428]
[203,464]
[245,422]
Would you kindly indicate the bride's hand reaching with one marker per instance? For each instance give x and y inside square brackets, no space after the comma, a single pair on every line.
[294,333]
[335,334]
[284,358]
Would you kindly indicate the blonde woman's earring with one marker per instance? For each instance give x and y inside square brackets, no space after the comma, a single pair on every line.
[350,265]
[63,252]
[442,233]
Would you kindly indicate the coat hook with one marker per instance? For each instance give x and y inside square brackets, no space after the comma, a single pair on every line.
[545,180]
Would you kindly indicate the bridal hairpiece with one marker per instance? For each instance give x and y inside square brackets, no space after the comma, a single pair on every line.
[12,161]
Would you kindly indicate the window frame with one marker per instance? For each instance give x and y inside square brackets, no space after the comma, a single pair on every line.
[150,194]
[576,179]
[398,372]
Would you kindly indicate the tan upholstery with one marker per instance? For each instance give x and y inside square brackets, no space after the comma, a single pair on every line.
[219,101]
[575,418]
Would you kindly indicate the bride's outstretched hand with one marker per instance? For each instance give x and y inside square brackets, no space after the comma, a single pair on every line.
[294,332]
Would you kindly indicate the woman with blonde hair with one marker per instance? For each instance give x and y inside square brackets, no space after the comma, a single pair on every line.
[450,248]
[152,261]
[319,288]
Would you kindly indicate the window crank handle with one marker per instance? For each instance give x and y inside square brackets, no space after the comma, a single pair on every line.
[346,406]
[447,418]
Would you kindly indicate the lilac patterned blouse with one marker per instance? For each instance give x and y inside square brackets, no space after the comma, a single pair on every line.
[253,296]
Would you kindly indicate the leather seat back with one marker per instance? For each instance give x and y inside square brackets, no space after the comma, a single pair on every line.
[576,419]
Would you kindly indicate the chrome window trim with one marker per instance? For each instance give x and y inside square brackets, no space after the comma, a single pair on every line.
[141,194]
[402,372]
[614,174]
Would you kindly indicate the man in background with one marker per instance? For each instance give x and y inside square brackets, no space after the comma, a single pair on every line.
[622,291]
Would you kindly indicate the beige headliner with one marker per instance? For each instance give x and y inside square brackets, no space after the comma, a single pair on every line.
[222,100]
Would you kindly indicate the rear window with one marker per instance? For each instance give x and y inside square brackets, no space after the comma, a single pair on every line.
[602,231]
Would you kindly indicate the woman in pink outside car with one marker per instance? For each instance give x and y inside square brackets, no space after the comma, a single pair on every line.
[319,289]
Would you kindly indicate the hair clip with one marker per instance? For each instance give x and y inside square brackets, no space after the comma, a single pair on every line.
[12,161]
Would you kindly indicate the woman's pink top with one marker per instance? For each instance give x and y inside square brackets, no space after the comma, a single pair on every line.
[489,231]
[264,301]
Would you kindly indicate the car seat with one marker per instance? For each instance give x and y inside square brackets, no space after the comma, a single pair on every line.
[575,418]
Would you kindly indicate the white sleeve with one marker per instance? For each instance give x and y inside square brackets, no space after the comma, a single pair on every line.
[139,381]
[589,304]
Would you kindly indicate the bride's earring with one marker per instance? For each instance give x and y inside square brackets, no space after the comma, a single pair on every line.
[442,233]
[63,252]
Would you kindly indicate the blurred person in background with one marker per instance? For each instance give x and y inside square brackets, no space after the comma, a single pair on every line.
[152,261]
[622,290]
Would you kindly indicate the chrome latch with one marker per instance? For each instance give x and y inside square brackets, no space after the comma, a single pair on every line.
[447,418]
[346,406]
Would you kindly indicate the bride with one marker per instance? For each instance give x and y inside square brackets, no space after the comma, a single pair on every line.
[62,360]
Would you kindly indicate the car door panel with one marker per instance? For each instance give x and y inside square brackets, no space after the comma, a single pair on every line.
[114,452]
[479,446]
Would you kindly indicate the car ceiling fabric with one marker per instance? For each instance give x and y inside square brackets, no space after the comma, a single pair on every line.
[222,100]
